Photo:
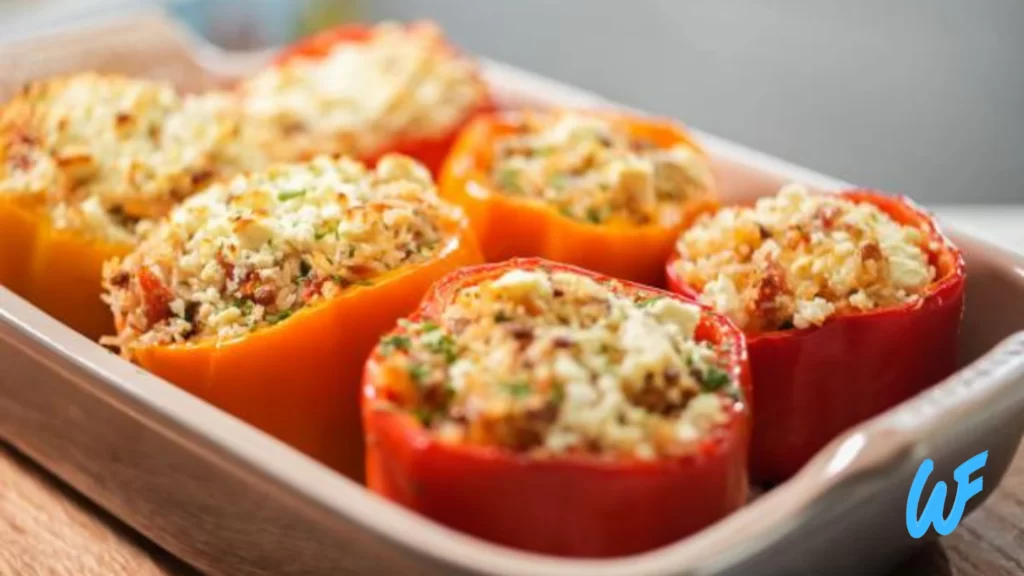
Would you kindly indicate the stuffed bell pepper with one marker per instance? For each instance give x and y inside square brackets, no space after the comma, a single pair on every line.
[264,295]
[87,162]
[851,304]
[552,409]
[602,190]
[365,91]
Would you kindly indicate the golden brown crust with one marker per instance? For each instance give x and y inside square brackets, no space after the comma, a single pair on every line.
[101,153]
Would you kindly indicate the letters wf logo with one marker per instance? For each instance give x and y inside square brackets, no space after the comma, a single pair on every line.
[932,514]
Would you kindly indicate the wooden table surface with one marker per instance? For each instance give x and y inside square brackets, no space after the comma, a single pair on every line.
[46,529]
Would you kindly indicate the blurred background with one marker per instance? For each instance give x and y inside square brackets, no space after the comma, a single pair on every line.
[922,97]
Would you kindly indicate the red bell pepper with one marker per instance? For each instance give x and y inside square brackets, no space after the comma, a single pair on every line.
[814,383]
[431,150]
[573,505]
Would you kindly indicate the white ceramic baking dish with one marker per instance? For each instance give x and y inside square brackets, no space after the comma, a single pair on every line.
[231,500]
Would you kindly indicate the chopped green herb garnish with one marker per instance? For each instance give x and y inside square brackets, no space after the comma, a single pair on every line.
[517,388]
[278,316]
[714,379]
[423,415]
[428,326]
[290,194]
[244,304]
[566,211]
[389,344]
[508,179]
[558,181]
[649,301]
[418,373]
[594,215]
[557,395]
[440,343]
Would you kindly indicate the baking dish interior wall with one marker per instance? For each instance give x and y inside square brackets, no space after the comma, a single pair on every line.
[993,310]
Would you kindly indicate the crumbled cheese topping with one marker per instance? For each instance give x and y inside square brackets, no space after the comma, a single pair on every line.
[547,363]
[102,153]
[592,170]
[796,259]
[403,81]
[251,252]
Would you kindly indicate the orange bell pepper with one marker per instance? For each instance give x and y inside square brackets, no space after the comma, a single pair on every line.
[70,140]
[430,150]
[570,504]
[299,379]
[508,226]
[57,270]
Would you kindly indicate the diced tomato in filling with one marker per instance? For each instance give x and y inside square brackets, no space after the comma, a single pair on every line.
[156,297]
[312,288]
